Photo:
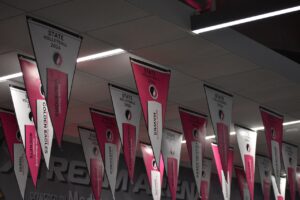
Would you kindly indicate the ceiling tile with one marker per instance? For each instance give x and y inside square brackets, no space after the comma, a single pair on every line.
[143,32]
[8,11]
[30,5]
[177,52]
[90,92]
[84,15]
[251,81]
[109,67]
[14,35]
[188,92]
[90,46]
[78,114]
[208,66]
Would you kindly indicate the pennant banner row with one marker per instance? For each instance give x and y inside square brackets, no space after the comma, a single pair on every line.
[40,111]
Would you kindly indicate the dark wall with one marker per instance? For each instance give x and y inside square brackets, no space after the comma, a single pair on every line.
[68,179]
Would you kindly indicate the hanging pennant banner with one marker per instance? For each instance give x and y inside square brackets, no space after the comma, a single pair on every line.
[93,159]
[38,105]
[171,150]
[246,139]
[273,130]
[289,156]
[27,130]
[10,129]
[127,109]
[155,174]
[265,170]
[109,141]
[56,51]
[243,185]
[205,179]
[279,192]
[220,108]
[225,183]
[194,129]
[298,179]
[153,85]
[16,150]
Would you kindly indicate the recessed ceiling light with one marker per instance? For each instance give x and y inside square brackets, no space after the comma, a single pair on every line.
[248,19]
[100,55]
[11,76]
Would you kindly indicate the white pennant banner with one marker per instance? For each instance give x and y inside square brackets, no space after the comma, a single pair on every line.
[289,156]
[246,139]
[171,150]
[56,51]
[205,179]
[27,130]
[93,159]
[128,113]
[279,192]
[265,170]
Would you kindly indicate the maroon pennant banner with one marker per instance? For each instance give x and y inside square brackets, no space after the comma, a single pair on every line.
[274,133]
[38,105]
[15,147]
[194,129]
[109,142]
[243,185]
[153,85]
[225,182]
[155,173]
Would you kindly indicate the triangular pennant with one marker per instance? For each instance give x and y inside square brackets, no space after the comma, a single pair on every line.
[38,105]
[298,179]
[153,85]
[243,185]
[265,170]
[155,174]
[246,139]
[56,52]
[171,150]
[279,192]
[128,112]
[109,142]
[220,108]
[93,159]
[27,130]
[15,147]
[225,183]
[289,156]
[274,132]
[205,179]
[194,129]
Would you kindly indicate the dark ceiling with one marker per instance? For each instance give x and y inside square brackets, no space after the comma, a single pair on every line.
[278,33]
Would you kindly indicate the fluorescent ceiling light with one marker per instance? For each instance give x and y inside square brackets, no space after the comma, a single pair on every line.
[100,55]
[284,124]
[291,123]
[11,76]
[248,19]
[233,133]
[258,128]
[210,137]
